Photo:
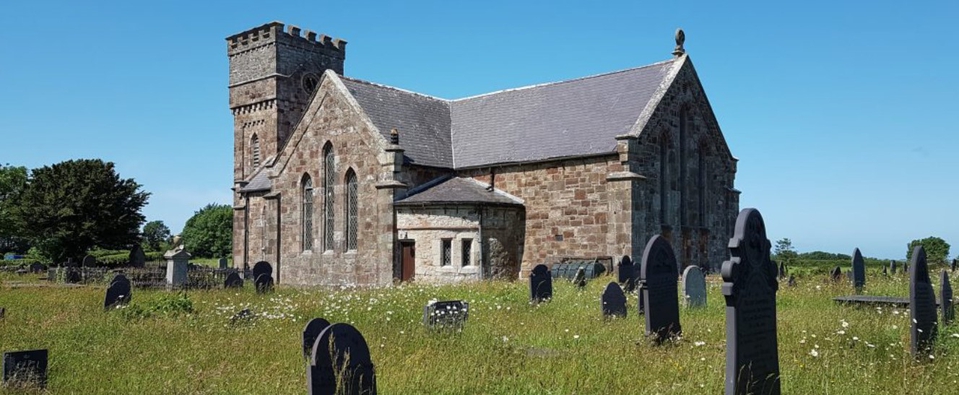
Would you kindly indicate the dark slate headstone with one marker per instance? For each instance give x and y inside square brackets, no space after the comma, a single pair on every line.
[446,315]
[613,301]
[118,293]
[233,280]
[892,267]
[37,267]
[137,257]
[749,287]
[223,263]
[21,367]
[340,363]
[72,275]
[836,274]
[922,305]
[658,283]
[580,278]
[627,274]
[694,287]
[89,261]
[858,270]
[311,332]
[955,262]
[540,284]
[263,283]
[945,299]
[262,267]
[792,281]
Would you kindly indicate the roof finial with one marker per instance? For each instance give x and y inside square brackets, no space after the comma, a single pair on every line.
[680,40]
[394,136]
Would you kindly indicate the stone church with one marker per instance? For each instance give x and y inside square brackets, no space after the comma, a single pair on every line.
[340,181]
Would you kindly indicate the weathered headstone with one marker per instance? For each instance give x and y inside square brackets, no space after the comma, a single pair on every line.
[119,292]
[540,284]
[627,274]
[89,261]
[749,287]
[945,299]
[580,278]
[233,280]
[340,363]
[263,283]
[311,332]
[892,267]
[137,257]
[177,266]
[858,270]
[694,287]
[24,367]
[836,274]
[792,281]
[922,305]
[658,279]
[613,301]
[262,267]
[446,315]
[223,263]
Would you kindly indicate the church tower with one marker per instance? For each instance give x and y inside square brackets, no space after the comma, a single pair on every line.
[274,70]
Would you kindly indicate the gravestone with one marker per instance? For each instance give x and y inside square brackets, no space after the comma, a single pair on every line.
[836,274]
[945,299]
[311,332]
[885,271]
[119,292]
[89,261]
[177,266]
[782,270]
[540,284]
[262,267]
[892,267]
[37,267]
[792,281]
[137,257]
[446,315]
[658,279]
[613,301]
[263,283]
[580,279]
[72,275]
[340,363]
[22,367]
[233,280]
[955,262]
[223,263]
[749,287]
[70,263]
[922,305]
[694,287]
[858,271]
[627,274]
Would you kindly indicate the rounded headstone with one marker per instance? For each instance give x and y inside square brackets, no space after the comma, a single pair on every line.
[540,284]
[311,332]
[233,280]
[659,288]
[118,293]
[613,301]
[694,287]
[262,267]
[341,348]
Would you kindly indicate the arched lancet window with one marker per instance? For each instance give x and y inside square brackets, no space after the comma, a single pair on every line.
[307,212]
[701,183]
[683,189]
[255,147]
[328,197]
[663,173]
[351,210]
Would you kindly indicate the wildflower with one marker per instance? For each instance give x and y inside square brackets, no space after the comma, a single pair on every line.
[814,353]
[845,324]
[697,344]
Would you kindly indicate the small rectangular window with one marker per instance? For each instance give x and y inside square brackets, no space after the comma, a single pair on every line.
[445,252]
[467,256]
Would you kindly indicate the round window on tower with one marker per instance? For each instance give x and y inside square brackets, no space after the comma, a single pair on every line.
[310,81]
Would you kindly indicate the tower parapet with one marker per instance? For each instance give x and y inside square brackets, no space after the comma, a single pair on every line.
[277,31]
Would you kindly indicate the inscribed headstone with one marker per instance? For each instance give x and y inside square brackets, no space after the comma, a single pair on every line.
[945,299]
[749,287]
[311,332]
[540,284]
[20,367]
[118,293]
[340,363]
[89,261]
[446,315]
[658,279]
[627,274]
[694,287]
[613,301]
[858,270]
[137,257]
[233,280]
[922,305]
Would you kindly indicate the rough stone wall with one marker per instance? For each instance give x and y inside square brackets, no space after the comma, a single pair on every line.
[413,175]
[501,242]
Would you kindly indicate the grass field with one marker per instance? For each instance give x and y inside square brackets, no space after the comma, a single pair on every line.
[170,343]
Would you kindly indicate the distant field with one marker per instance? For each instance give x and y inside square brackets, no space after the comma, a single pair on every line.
[157,345]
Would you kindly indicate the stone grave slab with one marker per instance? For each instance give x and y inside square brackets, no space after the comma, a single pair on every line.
[312,331]
[658,283]
[891,301]
[540,284]
[613,301]
[448,315]
[119,292]
[749,287]
[25,366]
[945,299]
[233,280]
[627,274]
[858,270]
[340,363]
[694,287]
[922,305]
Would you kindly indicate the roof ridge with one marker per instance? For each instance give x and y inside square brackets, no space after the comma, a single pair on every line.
[407,91]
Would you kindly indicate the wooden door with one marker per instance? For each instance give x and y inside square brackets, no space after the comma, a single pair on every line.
[408,261]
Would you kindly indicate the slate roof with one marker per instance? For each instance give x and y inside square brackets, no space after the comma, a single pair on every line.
[457,190]
[259,182]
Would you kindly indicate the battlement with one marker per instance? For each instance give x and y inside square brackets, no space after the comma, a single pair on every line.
[277,31]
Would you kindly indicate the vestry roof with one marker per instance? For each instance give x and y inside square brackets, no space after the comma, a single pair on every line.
[456,190]
[572,118]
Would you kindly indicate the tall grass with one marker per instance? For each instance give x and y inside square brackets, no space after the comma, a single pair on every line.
[186,344]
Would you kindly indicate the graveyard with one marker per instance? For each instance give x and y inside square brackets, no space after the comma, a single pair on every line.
[195,341]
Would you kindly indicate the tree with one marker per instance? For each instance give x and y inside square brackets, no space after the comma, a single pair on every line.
[936,249]
[70,207]
[13,179]
[155,236]
[785,251]
[209,232]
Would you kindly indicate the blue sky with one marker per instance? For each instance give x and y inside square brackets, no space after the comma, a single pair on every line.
[841,115]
